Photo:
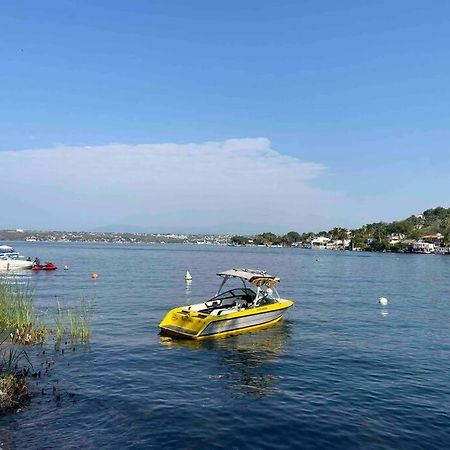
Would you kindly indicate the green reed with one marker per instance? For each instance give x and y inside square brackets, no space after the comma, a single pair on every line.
[60,326]
[16,307]
[86,313]
[75,322]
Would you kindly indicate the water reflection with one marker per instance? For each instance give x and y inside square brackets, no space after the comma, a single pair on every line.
[247,362]
[18,277]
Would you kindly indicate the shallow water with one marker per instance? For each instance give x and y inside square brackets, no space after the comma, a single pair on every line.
[339,372]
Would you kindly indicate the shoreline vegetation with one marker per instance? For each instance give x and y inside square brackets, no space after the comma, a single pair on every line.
[23,327]
[428,232]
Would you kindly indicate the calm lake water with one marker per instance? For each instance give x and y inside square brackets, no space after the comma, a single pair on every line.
[339,372]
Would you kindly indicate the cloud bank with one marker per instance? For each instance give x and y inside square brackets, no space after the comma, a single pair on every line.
[239,184]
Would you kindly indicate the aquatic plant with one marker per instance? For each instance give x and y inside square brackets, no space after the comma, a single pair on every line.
[59,322]
[16,306]
[86,313]
[74,322]
[17,314]
[21,324]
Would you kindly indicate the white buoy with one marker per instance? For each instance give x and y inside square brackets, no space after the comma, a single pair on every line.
[383,301]
[188,276]
[66,267]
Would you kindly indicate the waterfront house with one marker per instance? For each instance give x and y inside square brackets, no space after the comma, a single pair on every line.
[423,247]
[434,238]
[320,242]
[396,238]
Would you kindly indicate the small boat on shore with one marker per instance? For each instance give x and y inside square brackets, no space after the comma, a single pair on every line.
[253,306]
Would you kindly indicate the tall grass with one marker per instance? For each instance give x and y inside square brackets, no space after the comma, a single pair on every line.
[16,307]
[86,313]
[18,315]
[74,322]
[19,325]
[59,322]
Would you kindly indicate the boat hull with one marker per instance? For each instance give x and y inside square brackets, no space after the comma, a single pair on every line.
[14,264]
[182,323]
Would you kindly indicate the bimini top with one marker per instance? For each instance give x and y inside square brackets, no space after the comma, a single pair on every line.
[256,277]
[6,249]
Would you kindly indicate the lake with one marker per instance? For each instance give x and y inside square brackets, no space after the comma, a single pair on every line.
[340,371]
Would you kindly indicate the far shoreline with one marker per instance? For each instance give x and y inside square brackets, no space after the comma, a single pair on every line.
[316,250]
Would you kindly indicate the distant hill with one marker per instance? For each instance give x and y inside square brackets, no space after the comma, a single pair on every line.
[223,228]
[121,228]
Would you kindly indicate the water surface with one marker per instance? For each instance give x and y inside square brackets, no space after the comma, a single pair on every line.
[339,372]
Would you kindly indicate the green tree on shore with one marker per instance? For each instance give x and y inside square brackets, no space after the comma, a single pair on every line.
[267,238]
[240,240]
[290,238]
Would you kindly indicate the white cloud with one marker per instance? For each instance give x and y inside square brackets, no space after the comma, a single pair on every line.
[237,181]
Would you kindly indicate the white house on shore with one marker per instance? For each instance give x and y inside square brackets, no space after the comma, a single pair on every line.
[324,242]
[422,247]
[320,242]
[396,238]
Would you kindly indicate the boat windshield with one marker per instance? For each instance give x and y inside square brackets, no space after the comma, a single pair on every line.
[244,293]
[9,255]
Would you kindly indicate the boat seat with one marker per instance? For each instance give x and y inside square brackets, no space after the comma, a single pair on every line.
[241,303]
[218,312]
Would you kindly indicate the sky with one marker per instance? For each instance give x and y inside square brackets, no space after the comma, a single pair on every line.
[238,116]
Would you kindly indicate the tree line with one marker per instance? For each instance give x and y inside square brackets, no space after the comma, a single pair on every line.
[374,236]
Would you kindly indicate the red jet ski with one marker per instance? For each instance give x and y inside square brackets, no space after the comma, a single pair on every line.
[47,266]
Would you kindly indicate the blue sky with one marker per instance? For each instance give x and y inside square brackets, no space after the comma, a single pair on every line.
[358,88]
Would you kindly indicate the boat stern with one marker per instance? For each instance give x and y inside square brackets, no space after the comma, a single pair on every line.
[184,323]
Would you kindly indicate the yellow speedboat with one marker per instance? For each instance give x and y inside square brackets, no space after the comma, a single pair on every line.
[253,306]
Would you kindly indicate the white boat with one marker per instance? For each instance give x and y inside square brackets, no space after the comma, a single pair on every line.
[11,260]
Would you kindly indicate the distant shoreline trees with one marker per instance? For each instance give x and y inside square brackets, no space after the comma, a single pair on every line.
[434,223]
